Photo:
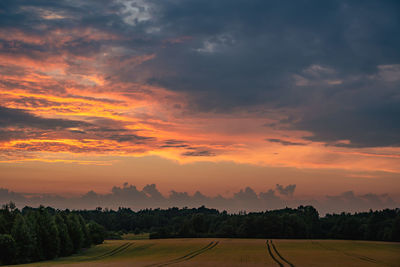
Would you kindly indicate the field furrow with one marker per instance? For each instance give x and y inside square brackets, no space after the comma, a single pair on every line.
[231,252]
[190,255]
[279,255]
[353,255]
[272,255]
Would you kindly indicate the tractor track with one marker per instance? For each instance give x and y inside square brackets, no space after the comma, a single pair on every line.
[279,259]
[113,252]
[360,257]
[280,256]
[272,255]
[188,256]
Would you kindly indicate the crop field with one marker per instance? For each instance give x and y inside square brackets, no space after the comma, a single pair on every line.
[234,252]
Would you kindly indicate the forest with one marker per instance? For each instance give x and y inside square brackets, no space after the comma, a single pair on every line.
[302,222]
[34,234]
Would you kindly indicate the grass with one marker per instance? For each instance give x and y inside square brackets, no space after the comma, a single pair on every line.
[233,252]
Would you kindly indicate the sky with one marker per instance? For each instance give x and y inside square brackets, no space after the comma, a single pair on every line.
[209,96]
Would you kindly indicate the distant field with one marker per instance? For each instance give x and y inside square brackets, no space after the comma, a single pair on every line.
[234,252]
[131,236]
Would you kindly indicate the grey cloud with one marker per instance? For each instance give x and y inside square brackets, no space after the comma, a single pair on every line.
[7,195]
[152,191]
[271,199]
[349,201]
[286,190]
[250,54]
[17,117]
[372,126]
[241,55]
[284,142]
[130,138]
[245,199]
[32,126]
[174,143]
[198,153]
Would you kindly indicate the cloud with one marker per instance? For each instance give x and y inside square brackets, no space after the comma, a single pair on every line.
[287,191]
[377,125]
[20,118]
[130,138]
[198,153]
[349,201]
[245,199]
[7,196]
[152,191]
[249,61]
[284,142]
[132,77]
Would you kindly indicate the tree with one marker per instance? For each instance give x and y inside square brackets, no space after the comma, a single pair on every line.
[66,246]
[24,239]
[47,234]
[97,232]
[75,231]
[3,224]
[85,231]
[396,229]
[8,249]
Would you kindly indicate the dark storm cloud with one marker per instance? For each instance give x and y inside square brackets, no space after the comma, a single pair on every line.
[250,48]
[293,55]
[334,62]
[369,126]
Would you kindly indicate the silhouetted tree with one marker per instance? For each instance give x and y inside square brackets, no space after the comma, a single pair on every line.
[75,231]
[66,246]
[85,231]
[97,232]
[396,229]
[24,238]
[47,234]
[8,249]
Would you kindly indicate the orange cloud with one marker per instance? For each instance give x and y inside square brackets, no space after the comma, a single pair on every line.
[124,118]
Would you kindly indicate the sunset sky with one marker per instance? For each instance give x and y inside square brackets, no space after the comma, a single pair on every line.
[200,95]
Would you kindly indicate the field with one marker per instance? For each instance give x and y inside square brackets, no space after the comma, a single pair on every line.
[234,252]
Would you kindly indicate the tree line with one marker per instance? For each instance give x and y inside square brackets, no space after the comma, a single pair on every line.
[35,234]
[302,222]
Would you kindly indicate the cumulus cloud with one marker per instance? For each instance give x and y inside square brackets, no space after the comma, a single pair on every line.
[245,199]
[286,190]
[349,201]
